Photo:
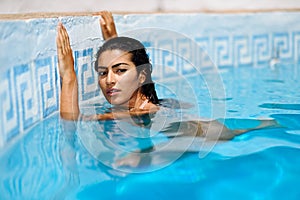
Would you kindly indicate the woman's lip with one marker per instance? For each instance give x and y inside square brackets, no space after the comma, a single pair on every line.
[112,91]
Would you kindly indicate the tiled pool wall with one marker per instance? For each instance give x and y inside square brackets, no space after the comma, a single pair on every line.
[30,85]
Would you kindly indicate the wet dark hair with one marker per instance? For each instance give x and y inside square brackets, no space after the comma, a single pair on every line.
[139,57]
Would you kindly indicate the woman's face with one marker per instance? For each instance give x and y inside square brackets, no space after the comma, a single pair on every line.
[118,78]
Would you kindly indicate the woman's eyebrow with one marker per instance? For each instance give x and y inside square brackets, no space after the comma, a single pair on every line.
[118,64]
[114,66]
[101,67]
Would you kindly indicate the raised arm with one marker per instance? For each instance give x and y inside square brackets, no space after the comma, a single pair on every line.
[107,25]
[69,108]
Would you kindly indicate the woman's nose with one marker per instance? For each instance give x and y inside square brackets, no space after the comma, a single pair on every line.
[110,78]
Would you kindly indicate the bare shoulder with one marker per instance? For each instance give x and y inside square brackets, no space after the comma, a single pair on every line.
[150,108]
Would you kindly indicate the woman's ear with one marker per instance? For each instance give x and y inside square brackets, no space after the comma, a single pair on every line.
[142,77]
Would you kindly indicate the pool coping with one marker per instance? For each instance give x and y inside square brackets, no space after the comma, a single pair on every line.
[22,16]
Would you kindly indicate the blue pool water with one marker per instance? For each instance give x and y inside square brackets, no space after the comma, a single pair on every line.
[51,162]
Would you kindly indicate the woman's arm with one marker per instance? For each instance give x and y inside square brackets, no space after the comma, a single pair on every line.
[69,108]
[120,114]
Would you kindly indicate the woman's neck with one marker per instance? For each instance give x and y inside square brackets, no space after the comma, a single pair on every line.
[138,101]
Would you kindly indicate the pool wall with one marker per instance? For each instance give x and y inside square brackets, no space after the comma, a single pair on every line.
[30,85]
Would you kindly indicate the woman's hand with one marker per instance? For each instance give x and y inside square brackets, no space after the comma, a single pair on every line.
[64,52]
[107,25]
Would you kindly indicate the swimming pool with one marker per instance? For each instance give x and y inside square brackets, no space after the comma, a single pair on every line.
[260,164]
[42,158]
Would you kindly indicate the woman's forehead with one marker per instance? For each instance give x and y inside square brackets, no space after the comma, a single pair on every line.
[110,57]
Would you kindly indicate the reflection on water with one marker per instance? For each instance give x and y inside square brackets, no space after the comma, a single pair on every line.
[33,166]
[150,142]
[51,163]
[137,143]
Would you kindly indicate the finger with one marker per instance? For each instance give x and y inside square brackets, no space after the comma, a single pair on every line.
[102,21]
[58,36]
[107,16]
[104,14]
[59,40]
[103,24]
[62,40]
[66,41]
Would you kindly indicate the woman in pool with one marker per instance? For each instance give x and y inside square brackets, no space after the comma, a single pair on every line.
[124,76]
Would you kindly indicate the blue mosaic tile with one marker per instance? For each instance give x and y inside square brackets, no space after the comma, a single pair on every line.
[261,49]
[26,95]
[46,76]
[88,82]
[296,48]
[242,51]
[9,115]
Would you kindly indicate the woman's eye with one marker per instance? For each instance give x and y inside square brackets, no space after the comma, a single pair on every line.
[121,70]
[103,73]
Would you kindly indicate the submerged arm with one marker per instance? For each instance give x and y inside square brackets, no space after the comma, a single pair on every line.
[120,114]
